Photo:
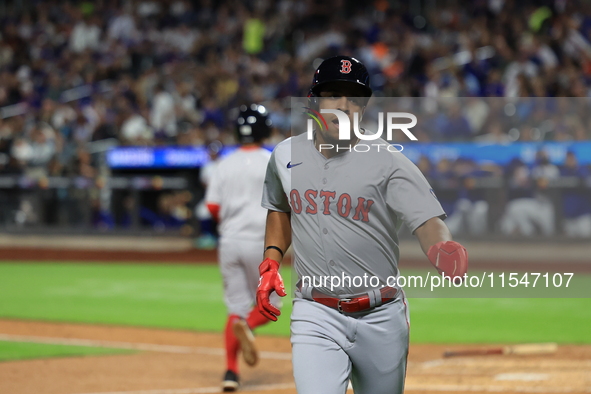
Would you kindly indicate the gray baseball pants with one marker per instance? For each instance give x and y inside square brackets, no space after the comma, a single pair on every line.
[329,348]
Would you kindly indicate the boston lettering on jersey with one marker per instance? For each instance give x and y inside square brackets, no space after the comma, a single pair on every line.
[344,204]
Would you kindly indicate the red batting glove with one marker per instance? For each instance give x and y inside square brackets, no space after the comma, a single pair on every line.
[450,258]
[269,281]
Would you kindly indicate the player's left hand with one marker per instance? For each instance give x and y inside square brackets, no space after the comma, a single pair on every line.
[450,258]
[269,281]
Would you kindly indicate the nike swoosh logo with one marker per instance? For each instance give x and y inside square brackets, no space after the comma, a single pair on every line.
[289,165]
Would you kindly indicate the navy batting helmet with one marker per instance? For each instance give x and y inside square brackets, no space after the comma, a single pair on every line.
[253,124]
[341,69]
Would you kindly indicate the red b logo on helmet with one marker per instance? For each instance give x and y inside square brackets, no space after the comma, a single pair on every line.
[345,66]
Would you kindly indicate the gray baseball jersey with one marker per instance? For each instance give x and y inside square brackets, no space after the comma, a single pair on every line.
[346,210]
[345,213]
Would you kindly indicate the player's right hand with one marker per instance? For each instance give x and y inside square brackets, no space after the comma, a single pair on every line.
[269,281]
[450,258]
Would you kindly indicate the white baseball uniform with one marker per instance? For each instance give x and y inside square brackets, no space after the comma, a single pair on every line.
[237,186]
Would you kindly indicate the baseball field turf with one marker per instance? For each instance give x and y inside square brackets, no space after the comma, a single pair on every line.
[189,297]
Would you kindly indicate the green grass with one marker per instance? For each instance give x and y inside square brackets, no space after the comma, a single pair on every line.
[190,297]
[25,350]
[167,296]
[500,320]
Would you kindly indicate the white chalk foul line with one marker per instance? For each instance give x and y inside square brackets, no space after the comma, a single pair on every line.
[202,390]
[426,387]
[134,346]
[479,388]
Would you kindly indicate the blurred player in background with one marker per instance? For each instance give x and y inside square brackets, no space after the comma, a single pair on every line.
[233,198]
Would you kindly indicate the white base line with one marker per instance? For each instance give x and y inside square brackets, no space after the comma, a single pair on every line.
[216,389]
[134,346]
[443,388]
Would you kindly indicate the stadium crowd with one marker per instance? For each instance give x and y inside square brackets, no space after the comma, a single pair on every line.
[155,72]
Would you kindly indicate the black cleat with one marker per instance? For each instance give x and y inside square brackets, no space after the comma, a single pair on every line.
[230,383]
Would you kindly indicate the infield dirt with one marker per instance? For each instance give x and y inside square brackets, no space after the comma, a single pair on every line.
[185,367]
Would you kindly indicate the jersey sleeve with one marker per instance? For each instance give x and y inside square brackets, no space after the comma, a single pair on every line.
[411,197]
[274,197]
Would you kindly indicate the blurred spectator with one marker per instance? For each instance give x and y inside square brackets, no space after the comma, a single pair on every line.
[543,173]
[162,115]
[494,134]
[528,212]
[86,34]
[466,207]
[425,166]
[456,126]
[476,112]
[122,26]
[576,201]
[517,75]
[82,165]
[171,212]
[82,129]
[181,38]
[472,206]
[544,170]
[186,103]
[135,129]
[35,152]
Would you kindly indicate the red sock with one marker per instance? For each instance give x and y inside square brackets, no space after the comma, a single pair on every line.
[232,345]
[255,319]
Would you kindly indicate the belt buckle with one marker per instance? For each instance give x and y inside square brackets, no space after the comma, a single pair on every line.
[339,308]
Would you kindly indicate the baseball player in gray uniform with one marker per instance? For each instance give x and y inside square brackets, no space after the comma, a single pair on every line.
[233,198]
[342,208]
